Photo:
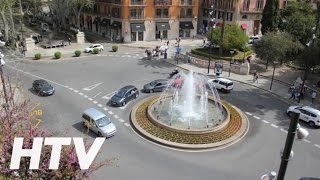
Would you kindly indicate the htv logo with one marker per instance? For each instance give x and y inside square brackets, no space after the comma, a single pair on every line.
[85,159]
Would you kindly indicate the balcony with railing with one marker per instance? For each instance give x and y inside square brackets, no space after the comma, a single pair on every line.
[162,2]
[251,10]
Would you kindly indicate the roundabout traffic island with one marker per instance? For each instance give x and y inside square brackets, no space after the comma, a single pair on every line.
[160,120]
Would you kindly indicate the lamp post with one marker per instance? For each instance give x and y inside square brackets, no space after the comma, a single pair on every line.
[294,128]
[274,68]
[231,62]
[211,30]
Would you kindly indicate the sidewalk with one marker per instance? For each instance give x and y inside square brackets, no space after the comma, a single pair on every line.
[280,90]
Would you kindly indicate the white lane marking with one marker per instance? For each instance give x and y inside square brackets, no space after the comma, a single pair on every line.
[96,94]
[265,121]
[100,105]
[108,96]
[110,112]
[121,120]
[76,91]
[123,107]
[256,117]
[283,130]
[80,93]
[89,88]
[125,56]
[273,125]
[106,109]
[53,82]
[111,55]
[249,113]
[317,145]
[67,86]
[71,88]
[90,99]
[305,140]
[95,102]
[126,124]
[115,116]
[85,96]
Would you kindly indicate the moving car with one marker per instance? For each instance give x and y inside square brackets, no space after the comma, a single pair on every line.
[98,122]
[156,85]
[42,87]
[124,95]
[93,46]
[307,114]
[222,84]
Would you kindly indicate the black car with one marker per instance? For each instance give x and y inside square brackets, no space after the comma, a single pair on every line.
[42,87]
[156,85]
[124,95]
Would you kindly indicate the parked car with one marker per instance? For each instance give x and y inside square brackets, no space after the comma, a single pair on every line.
[156,85]
[93,46]
[253,39]
[42,87]
[98,122]
[307,114]
[222,84]
[124,95]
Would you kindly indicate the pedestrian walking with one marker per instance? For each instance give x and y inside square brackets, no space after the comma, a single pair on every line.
[69,39]
[254,75]
[161,38]
[192,37]
[204,42]
[257,77]
[293,95]
[313,96]
[168,43]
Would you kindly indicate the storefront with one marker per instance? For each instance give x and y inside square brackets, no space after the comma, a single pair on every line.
[105,27]
[137,30]
[185,28]
[96,22]
[162,30]
[116,31]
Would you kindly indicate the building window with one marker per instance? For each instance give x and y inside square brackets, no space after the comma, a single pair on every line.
[246,5]
[285,4]
[206,13]
[116,12]
[162,13]
[244,17]
[229,4]
[185,12]
[136,13]
[260,4]
[229,16]
[186,2]
[220,15]
[140,36]
[189,12]
[136,2]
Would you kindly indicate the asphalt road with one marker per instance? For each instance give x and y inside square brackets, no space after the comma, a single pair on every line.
[97,77]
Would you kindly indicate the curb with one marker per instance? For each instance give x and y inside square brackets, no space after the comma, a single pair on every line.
[271,92]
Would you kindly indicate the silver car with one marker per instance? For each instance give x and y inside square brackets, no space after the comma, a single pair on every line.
[98,122]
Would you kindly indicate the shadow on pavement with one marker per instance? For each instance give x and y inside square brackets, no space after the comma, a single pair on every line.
[80,127]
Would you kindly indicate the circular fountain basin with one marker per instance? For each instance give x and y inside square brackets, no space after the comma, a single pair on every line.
[190,122]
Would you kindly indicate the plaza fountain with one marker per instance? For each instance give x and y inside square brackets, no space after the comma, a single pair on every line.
[189,114]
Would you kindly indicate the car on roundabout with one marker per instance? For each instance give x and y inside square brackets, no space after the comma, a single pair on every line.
[223,84]
[92,47]
[156,86]
[42,87]
[98,122]
[307,114]
[124,95]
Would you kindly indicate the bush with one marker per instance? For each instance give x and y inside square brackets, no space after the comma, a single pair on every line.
[37,56]
[57,55]
[202,54]
[114,48]
[77,53]
[96,51]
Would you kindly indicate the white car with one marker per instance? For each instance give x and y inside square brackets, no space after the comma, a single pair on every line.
[307,114]
[222,84]
[253,39]
[93,46]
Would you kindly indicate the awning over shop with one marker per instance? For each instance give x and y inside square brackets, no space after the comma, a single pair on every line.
[116,25]
[137,27]
[186,25]
[244,26]
[105,22]
[162,26]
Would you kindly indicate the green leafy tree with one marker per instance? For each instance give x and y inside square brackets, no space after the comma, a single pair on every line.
[298,19]
[275,46]
[234,37]
[270,17]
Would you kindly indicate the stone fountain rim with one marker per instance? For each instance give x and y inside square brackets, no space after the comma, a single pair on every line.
[187,131]
[217,145]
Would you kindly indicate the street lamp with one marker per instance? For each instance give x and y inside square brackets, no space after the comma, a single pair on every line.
[294,128]
[274,68]
[231,62]
[211,30]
